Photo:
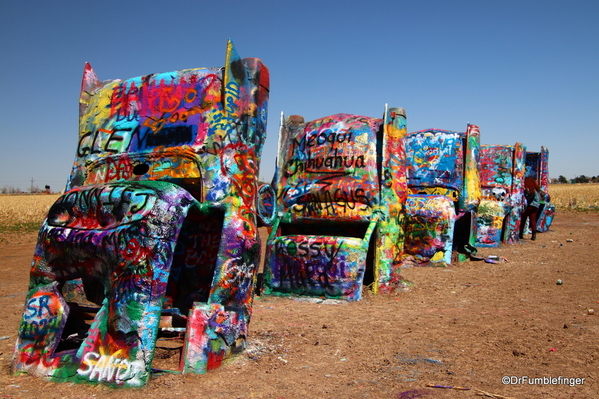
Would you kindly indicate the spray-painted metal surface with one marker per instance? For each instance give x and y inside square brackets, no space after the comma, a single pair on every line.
[444,191]
[537,166]
[502,203]
[157,230]
[340,185]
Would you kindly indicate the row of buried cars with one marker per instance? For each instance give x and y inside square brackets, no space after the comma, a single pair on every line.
[156,235]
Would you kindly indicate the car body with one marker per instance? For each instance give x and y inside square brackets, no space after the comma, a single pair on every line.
[340,187]
[502,170]
[157,229]
[537,167]
[444,191]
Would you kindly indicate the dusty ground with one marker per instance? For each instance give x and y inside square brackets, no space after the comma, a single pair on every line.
[464,326]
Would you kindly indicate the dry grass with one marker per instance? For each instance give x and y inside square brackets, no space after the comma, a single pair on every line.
[575,196]
[20,213]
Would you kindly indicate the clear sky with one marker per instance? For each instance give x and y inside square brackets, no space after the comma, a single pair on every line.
[522,70]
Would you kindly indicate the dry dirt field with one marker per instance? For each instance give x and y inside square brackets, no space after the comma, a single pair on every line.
[471,325]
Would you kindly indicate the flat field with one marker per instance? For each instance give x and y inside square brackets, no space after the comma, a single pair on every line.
[28,208]
[24,213]
[504,329]
[575,196]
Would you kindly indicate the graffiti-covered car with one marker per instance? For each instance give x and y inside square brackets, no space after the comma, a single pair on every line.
[444,192]
[157,230]
[537,167]
[340,187]
[501,170]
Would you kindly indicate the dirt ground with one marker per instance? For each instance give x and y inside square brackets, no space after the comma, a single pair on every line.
[471,325]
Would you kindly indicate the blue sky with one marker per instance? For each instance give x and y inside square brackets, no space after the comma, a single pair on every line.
[522,70]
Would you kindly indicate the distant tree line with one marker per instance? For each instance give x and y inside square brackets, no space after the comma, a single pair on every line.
[578,179]
[32,190]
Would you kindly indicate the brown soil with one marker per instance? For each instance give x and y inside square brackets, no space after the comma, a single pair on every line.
[464,326]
